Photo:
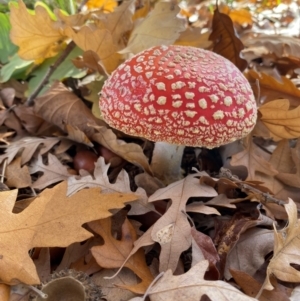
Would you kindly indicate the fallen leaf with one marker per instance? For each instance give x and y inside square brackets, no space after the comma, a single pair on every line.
[173,231]
[53,172]
[40,38]
[114,252]
[149,32]
[192,286]
[107,6]
[51,219]
[17,176]
[282,122]
[226,43]
[241,16]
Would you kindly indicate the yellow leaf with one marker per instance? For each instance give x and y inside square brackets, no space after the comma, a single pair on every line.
[106,6]
[282,122]
[241,16]
[35,33]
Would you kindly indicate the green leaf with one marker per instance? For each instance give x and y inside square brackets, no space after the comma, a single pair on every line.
[64,70]
[7,48]
[16,68]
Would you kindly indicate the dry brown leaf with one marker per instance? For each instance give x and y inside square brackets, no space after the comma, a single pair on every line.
[248,255]
[131,152]
[53,172]
[60,106]
[192,286]
[42,264]
[40,38]
[77,135]
[101,180]
[114,252]
[282,122]
[288,177]
[51,219]
[281,46]
[269,88]
[28,147]
[192,36]
[254,161]
[4,292]
[226,43]
[17,176]
[286,250]
[251,287]
[161,26]
[173,231]
[98,40]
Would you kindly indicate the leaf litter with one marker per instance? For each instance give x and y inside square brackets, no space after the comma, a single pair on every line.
[227,231]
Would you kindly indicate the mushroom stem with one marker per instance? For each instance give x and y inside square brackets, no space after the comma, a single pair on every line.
[166,162]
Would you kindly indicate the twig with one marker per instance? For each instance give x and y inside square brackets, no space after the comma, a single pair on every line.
[265,197]
[52,68]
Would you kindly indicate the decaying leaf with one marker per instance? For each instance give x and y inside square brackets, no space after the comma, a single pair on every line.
[282,122]
[17,176]
[114,252]
[35,33]
[51,219]
[192,286]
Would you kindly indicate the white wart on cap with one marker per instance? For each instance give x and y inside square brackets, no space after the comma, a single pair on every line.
[181,95]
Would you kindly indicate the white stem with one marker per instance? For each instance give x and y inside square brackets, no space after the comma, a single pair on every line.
[166,161]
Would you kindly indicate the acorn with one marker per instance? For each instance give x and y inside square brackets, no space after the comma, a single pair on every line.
[69,285]
[85,159]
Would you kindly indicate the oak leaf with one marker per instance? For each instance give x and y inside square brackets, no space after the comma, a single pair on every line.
[114,252]
[227,43]
[192,286]
[36,33]
[161,26]
[53,172]
[173,231]
[101,180]
[51,219]
[282,122]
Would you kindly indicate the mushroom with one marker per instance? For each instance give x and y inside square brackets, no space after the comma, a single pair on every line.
[178,96]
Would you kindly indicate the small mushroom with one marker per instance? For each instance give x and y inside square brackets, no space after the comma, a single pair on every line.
[182,96]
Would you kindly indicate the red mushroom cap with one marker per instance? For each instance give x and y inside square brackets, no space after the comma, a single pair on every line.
[180,95]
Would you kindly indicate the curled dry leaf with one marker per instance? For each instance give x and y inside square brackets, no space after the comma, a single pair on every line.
[286,250]
[40,38]
[52,219]
[226,43]
[282,122]
[192,286]
[149,33]
[270,88]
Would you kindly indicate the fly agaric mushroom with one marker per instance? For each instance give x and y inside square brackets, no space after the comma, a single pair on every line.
[182,96]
